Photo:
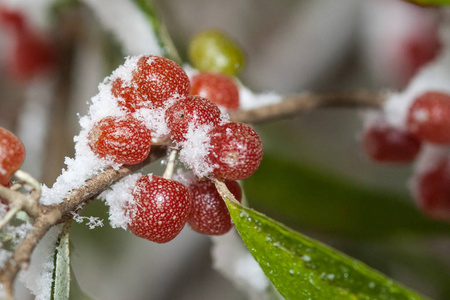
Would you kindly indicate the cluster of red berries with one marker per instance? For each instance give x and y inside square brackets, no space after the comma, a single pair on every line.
[233,151]
[427,121]
[12,155]
[31,53]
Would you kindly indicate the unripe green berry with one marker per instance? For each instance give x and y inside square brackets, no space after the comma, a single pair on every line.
[214,51]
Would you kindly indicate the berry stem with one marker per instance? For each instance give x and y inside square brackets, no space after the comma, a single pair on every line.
[170,164]
[13,209]
[224,191]
[24,176]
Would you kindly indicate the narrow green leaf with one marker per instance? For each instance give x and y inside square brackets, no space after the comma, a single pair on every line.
[61,286]
[430,2]
[300,195]
[165,42]
[301,268]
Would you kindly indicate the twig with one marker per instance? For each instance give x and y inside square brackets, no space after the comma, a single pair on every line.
[293,105]
[51,215]
[48,216]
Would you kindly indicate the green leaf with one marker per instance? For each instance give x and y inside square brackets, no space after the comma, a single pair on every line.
[61,274]
[158,26]
[430,2]
[299,195]
[301,268]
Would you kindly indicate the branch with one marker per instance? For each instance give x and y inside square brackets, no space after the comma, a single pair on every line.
[51,215]
[293,105]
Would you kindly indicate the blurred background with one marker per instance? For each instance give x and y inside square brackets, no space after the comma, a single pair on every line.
[314,176]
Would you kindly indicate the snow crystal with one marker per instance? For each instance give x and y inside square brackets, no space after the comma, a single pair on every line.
[38,277]
[232,259]
[128,24]
[120,200]
[195,149]
[92,222]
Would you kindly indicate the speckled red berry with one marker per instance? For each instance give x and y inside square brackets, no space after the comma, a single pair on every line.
[218,88]
[433,190]
[158,79]
[390,145]
[236,151]
[123,140]
[12,155]
[429,117]
[162,208]
[191,112]
[209,213]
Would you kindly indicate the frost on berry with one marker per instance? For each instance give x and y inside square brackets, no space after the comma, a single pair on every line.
[433,189]
[383,143]
[218,88]
[429,117]
[236,151]
[209,213]
[129,99]
[162,208]
[12,155]
[191,112]
[122,140]
[158,79]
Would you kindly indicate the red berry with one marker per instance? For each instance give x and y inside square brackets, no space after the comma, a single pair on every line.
[433,188]
[158,79]
[391,145]
[209,213]
[12,155]
[429,117]
[123,140]
[32,55]
[191,112]
[12,18]
[162,208]
[129,99]
[218,88]
[236,151]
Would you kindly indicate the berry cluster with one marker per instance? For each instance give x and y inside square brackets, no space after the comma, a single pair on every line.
[146,89]
[427,122]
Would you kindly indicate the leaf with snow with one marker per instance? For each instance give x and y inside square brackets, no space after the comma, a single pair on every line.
[302,268]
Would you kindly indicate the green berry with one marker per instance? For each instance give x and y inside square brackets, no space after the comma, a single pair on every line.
[214,51]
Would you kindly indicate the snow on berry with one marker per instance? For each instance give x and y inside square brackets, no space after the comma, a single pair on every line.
[191,112]
[157,79]
[12,155]
[123,140]
[120,201]
[209,213]
[235,151]
[161,210]
[429,117]
[218,88]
